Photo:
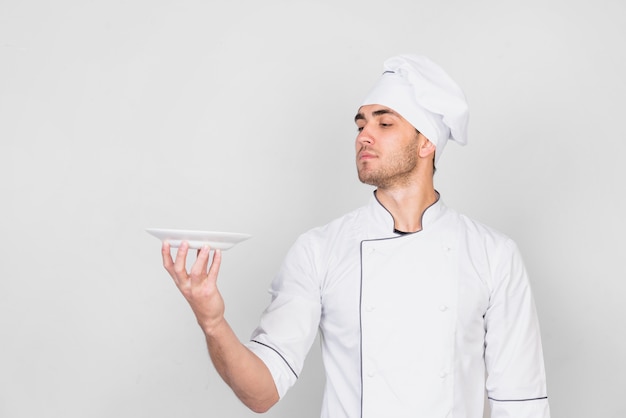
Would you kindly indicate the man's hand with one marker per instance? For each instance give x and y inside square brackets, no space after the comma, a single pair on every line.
[198,286]
[240,368]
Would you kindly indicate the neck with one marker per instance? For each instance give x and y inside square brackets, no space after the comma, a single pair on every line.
[407,205]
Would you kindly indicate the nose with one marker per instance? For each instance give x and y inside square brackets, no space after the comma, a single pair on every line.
[364,136]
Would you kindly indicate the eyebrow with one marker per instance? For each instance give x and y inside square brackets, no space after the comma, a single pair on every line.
[361,116]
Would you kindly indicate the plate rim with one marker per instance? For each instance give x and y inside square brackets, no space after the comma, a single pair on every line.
[199,238]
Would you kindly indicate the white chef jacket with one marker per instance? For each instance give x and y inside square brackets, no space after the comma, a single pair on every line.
[410,325]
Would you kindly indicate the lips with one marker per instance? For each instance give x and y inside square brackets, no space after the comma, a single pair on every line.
[366,155]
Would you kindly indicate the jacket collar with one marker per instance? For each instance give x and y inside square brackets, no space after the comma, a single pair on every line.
[383,223]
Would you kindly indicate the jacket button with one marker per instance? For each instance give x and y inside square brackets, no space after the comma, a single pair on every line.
[443,308]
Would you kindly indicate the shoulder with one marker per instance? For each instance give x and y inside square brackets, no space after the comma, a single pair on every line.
[483,246]
[320,244]
[478,233]
[344,227]
[315,250]
[491,252]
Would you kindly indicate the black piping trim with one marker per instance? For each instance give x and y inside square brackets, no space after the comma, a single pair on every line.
[394,221]
[361,321]
[281,356]
[400,235]
[518,400]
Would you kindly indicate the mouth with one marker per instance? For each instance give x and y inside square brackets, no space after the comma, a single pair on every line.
[365,155]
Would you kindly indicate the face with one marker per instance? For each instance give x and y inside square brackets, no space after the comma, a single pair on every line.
[387,147]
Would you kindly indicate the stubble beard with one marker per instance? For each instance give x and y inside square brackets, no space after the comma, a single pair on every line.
[396,171]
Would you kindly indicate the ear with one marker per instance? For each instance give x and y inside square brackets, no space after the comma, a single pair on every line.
[427,150]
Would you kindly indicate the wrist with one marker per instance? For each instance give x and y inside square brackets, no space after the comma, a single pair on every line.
[214,327]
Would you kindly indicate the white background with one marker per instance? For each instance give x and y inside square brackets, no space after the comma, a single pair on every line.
[116,116]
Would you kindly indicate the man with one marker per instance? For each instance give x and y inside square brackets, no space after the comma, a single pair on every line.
[415,303]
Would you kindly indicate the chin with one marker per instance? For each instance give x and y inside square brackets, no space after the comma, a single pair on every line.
[369,180]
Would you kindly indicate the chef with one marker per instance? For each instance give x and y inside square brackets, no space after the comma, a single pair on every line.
[421,310]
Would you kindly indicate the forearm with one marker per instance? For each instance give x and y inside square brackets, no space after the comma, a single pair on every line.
[241,369]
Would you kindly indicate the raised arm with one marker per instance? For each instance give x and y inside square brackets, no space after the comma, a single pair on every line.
[241,369]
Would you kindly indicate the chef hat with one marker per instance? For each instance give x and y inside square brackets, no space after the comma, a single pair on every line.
[423,94]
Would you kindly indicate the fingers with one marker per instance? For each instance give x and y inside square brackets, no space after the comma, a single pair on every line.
[177,268]
[215,265]
[180,263]
[199,268]
[168,263]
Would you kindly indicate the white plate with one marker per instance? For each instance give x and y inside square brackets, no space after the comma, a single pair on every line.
[198,239]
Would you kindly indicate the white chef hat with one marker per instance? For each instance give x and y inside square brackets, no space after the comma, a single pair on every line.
[423,94]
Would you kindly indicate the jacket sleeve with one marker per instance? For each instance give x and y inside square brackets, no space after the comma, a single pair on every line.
[516,382]
[289,325]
